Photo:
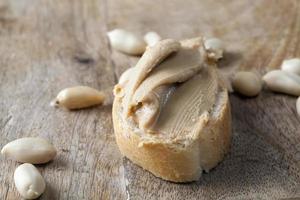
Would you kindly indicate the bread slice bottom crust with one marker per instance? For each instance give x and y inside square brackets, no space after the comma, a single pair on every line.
[174,162]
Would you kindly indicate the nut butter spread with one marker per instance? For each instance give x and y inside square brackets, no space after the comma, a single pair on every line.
[170,87]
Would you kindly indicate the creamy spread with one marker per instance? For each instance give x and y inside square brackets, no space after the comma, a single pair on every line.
[171,86]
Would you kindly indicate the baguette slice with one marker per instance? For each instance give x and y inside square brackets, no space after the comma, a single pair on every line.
[192,132]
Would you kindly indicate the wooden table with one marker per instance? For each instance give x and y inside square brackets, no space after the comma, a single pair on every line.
[48,45]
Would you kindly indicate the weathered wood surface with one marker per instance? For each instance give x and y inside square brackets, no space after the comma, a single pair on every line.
[48,45]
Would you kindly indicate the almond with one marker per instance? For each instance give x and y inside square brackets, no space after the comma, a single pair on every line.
[32,150]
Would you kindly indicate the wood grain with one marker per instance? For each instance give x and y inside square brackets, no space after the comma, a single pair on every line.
[48,45]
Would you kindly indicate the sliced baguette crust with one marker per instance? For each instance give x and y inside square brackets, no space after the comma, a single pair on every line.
[179,163]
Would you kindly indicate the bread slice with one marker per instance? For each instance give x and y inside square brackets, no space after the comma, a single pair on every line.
[192,130]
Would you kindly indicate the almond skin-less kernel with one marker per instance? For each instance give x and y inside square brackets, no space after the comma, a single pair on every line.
[282,81]
[29,181]
[126,42]
[291,65]
[79,97]
[32,150]
[247,84]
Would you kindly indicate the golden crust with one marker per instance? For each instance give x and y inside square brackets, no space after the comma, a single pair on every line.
[179,163]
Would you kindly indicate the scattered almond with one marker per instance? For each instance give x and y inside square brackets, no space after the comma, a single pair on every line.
[247,83]
[291,65]
[126,42]
[29,182]
[32,150]
[79,97]
[298,106]
[282,81]
[214,48]
[151,38]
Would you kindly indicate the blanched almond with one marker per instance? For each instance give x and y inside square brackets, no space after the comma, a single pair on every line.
[151,38]
[32,150]
[126,42]
[79,97]
[29,182]
[291,65]
[282,81]
[247,83]
[298,106]
[214,48]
